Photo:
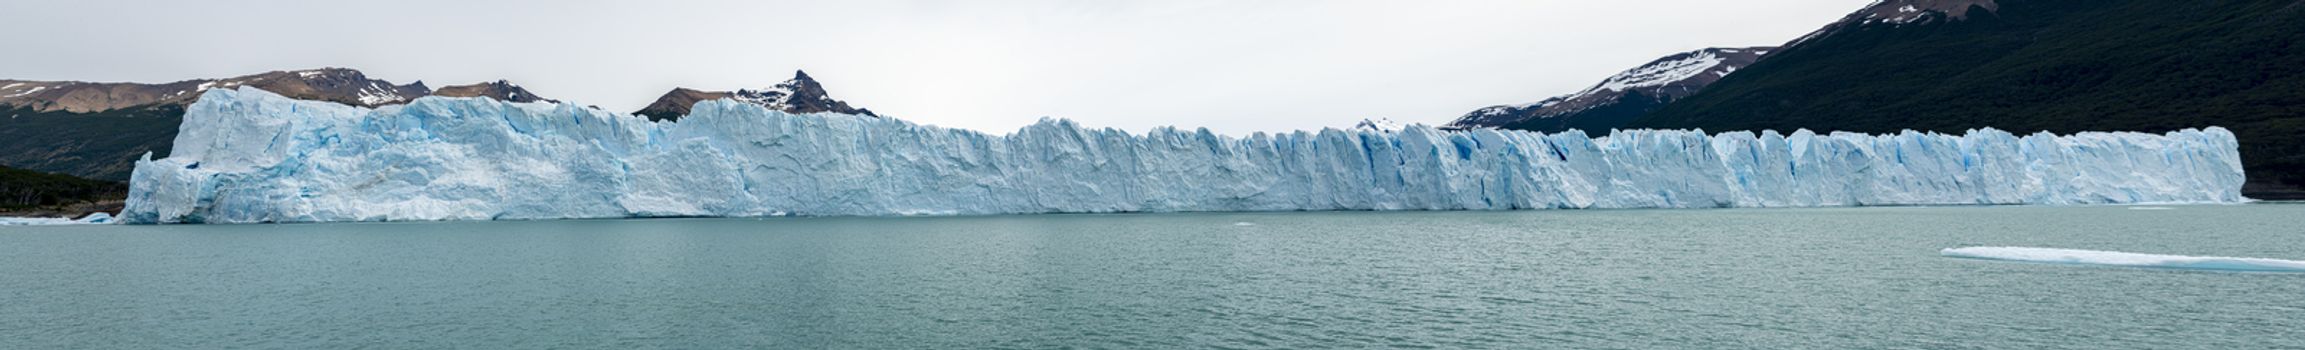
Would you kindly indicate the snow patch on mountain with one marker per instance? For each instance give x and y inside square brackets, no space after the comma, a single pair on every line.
[1661,73]
[777,97]
[377,94]
[29,91]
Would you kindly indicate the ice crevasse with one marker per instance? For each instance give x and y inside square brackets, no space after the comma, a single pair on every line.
[248,155]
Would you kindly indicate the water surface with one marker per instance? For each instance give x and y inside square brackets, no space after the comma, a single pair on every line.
[1629,279]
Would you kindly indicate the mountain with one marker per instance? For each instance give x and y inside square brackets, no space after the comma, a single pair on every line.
[1621,98]
[801,94]
[97,130]
[1900,13]
[338,85]
[500,90]
[2036,65]
[1379,124]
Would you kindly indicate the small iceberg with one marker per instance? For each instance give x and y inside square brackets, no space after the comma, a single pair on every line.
[2105,258]
[2151,208]
[95,218]
[1244,224]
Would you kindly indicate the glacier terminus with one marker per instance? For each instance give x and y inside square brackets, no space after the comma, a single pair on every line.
[250,156]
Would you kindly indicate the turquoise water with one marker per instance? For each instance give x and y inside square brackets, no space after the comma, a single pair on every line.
[1606,279]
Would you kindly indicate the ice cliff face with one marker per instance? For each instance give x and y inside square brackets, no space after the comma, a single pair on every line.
[252,156]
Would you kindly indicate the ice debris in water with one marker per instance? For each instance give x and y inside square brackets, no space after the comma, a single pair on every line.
[92,218]
[2092,257]
[266,158]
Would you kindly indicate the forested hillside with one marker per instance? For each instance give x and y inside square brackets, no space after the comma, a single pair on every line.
[2032,65]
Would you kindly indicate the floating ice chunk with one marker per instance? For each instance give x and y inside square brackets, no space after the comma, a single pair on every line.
[2151,208]
[95,218]
[22,221]
[1244,224]
[2092,257]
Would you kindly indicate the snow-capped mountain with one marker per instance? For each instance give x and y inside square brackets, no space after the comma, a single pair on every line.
[1915,11]
[340,85]
[801,94]
[1638,92]
[1621,97]
[327,84]
[96,130]
[1901,13]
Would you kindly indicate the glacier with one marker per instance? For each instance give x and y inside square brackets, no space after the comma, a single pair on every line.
[250,156]
[2109,258]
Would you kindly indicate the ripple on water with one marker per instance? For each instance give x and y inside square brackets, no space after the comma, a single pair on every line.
[1636,279]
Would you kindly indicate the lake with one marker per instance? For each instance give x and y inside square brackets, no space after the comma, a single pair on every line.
[1836,278]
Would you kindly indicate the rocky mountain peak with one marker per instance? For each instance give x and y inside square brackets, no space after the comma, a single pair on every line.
[1902,12]
[1379,124]
[801,94]
[502,90]
[1910,11]
[1664,79]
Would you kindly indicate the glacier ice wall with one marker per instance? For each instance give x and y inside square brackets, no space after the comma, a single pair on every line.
[253,156]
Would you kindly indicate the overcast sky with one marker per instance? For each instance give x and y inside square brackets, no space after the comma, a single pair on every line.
[1232,66]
